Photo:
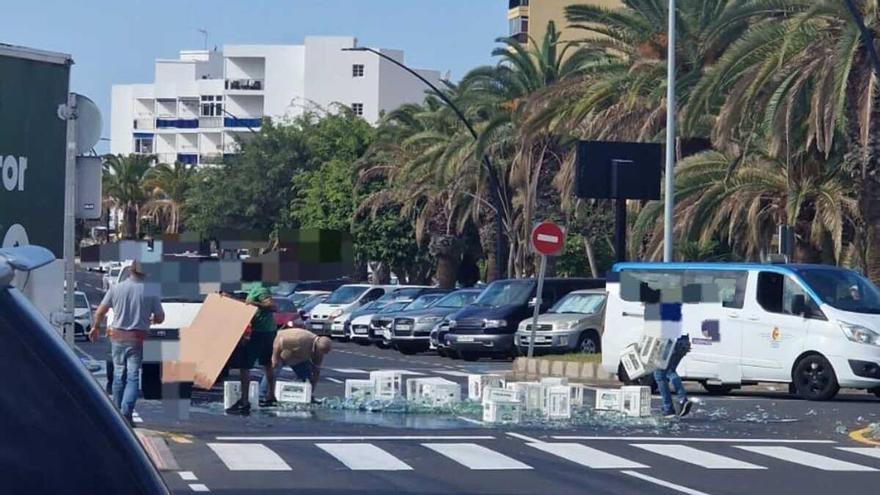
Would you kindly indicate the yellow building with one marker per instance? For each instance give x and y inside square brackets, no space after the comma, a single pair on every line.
[529,18]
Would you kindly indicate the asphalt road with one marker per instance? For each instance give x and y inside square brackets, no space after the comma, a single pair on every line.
[756,441]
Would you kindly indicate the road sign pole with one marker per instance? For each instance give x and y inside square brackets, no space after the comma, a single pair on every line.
[537,305]
[70,222]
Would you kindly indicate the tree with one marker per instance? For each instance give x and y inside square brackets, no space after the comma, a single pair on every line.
[124,187]
[169,186]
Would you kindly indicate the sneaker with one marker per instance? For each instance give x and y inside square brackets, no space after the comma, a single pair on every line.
[669,414]
[240,408]
[685,408]
[269,402]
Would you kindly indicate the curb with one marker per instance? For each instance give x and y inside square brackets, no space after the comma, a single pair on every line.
[537,368]
[859,436]
[157,449]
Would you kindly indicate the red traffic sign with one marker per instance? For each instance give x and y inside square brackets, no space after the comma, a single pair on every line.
[548,238]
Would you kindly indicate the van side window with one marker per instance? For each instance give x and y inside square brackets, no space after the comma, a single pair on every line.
[776,293]
[725,286]
[635,284]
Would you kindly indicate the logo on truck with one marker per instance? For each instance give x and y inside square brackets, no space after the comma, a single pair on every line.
[12,172]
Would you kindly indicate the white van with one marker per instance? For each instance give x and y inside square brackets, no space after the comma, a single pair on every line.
[814,327]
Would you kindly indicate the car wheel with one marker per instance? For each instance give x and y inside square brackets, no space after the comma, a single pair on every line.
[589,343]
[876,392]
[469,356]
[442,353]
[718,389]
[407,350]
[381,344]
[814,378]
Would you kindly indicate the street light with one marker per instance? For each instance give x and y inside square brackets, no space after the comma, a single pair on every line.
[670,136]
[496,186]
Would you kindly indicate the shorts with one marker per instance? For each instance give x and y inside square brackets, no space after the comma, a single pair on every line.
[258,349]
[303,370]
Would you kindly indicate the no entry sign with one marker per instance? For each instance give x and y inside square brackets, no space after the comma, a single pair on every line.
[548,238]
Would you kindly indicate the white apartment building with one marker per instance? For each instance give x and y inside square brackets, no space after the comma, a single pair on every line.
[200,103]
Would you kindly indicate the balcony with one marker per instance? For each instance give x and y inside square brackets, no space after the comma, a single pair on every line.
[177,123]
[144,123]
[188,158]
[234,122]
[210,122]
[211,157]
[168,158]
[244,84]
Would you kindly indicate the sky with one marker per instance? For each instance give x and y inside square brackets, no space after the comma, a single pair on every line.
[116,41]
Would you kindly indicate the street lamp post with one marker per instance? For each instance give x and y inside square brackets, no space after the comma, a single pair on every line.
[495,183]
[670,136]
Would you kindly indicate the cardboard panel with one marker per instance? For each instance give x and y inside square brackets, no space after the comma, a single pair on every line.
[210,339]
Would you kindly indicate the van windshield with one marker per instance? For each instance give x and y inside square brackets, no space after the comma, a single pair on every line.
[506,293]
[346,295]
[843,289]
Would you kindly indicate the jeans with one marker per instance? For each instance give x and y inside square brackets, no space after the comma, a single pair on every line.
[666,376]
[127,359]
[302,370]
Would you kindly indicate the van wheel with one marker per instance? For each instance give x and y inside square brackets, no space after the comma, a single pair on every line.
[718,389]
[814,378]
[589,343]
[876,392]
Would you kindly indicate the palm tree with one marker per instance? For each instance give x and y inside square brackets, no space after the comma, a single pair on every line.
[168,185]
[124,188]
[802,76]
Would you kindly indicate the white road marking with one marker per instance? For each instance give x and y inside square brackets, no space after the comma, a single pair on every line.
[361,438]
[808,459]
[349,371]
[586,456]
[334,380]
[523,437]
[868,451]
[665,484]
[691,439]
[187,475]
[198,487]
[248,457]
[701,458]
[453,373]
[364,457]
[476,457]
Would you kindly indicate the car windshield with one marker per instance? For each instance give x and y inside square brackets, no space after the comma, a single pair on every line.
[395,306]
[458,299]
[80,301]
[311,303]
[506,293]
[284,304]
[346,294]
[423,302]
[283,289]
[299,298]
[579,304]
[843,289]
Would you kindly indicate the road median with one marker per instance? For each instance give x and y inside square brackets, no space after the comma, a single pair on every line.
[580,368]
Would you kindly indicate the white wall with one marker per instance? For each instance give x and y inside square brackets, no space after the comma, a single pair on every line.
[329,79]
[121,118]
[396,86]
[245,106]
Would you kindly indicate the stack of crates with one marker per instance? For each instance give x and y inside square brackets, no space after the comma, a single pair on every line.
[501,405]
[232,392]
[529,394]
[433,391]
[557,402]
[476,384]
[360,390]
[293,392]
[388,385]
[635,401]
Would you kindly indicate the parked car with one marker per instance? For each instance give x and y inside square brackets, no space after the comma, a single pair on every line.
[310,304]
[411,329]
[87,427]
[343,300]
[82,314]
[379,326]
[574,324]
[110,277]
[487,326]
[438,337]
[288,289]
[356,325]
[301,297]
[286,313]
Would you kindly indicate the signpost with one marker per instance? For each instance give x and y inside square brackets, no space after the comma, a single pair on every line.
[548,239]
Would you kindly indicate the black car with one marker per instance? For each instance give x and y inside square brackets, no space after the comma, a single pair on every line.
[45,374]
[411,328]
[487,326]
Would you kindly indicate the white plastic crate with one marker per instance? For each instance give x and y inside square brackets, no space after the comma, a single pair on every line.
[632,363]
[433,391]
[506,412]
[293,392]
[530,395]
[232,392]
[476,384]
[608,399]
[635,401]
[577,394]
[654,352]
[557,402]
[388,385]
[362,390]
[498,394]
[554,380]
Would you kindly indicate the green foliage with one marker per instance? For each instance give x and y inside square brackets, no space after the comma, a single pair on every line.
[573,261]
[390,238]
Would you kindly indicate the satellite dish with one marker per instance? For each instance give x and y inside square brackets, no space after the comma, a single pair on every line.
[88,124]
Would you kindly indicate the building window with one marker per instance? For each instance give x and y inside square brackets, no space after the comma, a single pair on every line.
[513,4]
[357,70]
[143,145]
[212,106]
[519,28]
[358,109]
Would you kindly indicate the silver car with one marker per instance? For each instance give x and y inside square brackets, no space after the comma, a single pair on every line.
[574,324]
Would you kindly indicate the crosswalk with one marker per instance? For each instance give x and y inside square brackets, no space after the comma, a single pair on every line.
[509,455]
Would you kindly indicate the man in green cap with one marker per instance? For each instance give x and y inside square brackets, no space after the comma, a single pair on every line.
[258,347]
